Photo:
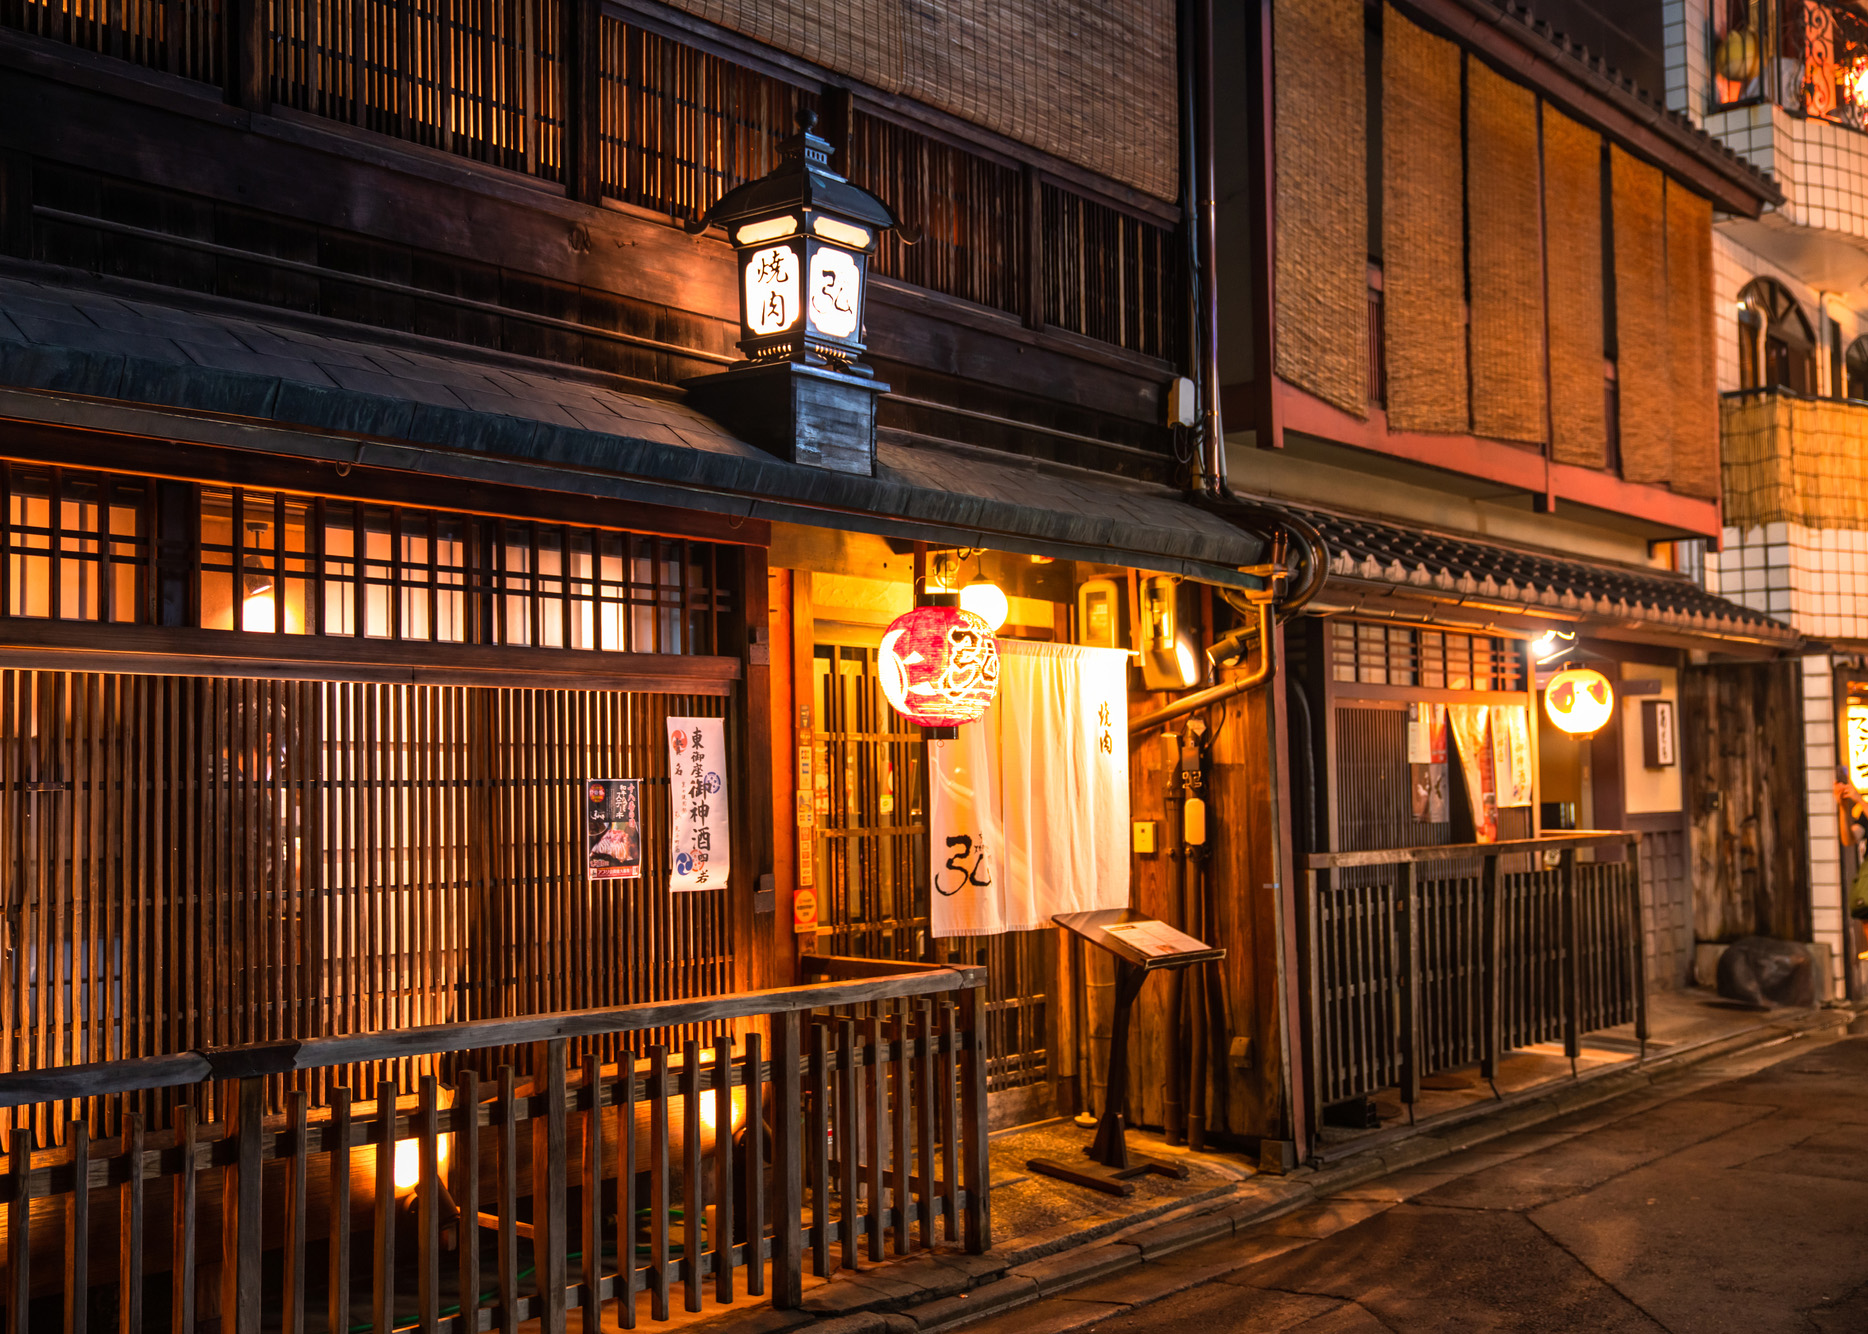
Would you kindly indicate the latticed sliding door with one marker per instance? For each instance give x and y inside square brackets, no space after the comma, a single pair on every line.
[199,861]
[872,862]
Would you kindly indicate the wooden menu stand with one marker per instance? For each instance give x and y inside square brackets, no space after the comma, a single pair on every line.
[1139,951]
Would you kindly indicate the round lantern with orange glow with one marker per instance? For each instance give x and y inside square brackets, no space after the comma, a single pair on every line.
[1579,700]
[939,666]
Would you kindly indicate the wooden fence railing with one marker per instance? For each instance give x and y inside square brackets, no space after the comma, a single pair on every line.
[1423,960]
[496,1198]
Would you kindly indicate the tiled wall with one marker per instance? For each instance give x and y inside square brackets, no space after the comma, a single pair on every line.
[1689,67]
[1819,749]
[1815,578]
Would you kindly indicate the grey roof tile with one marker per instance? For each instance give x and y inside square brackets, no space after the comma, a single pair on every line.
[241,358]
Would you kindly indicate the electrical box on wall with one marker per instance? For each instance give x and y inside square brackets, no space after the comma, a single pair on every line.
[1100,622]
[1183,403]
[1145,837]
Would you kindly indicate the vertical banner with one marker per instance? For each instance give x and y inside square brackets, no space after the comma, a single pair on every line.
[613,828]
[1468,723]
[1511,754]
[1029,808]
[699,841]
[1426,753]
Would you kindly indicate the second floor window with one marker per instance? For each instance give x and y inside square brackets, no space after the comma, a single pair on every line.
[1776,346]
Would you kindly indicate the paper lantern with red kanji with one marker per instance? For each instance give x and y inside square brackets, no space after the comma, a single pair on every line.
[939,666]
[1579,700]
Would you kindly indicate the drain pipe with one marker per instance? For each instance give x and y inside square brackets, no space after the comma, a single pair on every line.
[1206,213]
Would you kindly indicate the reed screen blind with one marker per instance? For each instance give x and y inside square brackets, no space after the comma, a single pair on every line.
[1573,212]
[1322,200]
[1423,229]
[1695,465]
[1505,258]
[1644,374]
[1092,84]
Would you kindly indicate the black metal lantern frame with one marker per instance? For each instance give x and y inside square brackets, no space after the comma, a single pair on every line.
[802,236]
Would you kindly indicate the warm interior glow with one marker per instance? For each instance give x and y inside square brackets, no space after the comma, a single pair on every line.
[409,1161]
[766,229]
[987,601]
[842,232]
[259,611]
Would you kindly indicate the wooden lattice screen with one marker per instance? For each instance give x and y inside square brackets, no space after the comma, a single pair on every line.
[203,861]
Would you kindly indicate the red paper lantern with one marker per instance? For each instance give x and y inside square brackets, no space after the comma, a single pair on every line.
[939,666]
[1579,700]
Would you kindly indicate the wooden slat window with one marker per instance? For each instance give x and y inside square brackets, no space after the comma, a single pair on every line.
[76,544]
[1394,655]
[1110,276]
[678,127]
[179,36]
[970,212]
[303,565]
[482,78]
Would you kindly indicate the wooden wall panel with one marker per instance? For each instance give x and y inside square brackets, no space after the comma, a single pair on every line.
[1573,218]
[1506,258]
[1695,469]
[1742,735]
[231,860]
[1642,337]
[1423,229]
[1322,200]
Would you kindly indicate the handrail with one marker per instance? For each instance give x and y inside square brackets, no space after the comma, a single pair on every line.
[274,1058]
[1581,838]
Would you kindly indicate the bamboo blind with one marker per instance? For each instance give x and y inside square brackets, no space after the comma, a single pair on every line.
[1641,329]
[1506,260]
[1573,220]
[1088,83]
[1695,463]
[1322,206]
[1423,229]
[203,861]
[1794,460]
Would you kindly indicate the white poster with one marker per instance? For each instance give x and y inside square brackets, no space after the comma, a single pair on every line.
[699,840]
[1029,809]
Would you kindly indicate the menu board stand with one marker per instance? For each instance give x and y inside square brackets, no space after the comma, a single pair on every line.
[1141,946]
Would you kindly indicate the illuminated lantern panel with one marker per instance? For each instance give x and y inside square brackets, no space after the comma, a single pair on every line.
[1579,700]
[939,666]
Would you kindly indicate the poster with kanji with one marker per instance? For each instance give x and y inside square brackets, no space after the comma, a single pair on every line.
[1426,752]
[1469,724]
[613,828]
[699,839]
[1511,754]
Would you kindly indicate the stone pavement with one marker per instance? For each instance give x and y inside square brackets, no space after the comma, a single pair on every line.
[1733,1197]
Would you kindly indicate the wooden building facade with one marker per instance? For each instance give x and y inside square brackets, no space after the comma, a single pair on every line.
[356,517]
[1469,292]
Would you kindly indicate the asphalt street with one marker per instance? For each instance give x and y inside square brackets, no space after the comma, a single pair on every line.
[1733,1199]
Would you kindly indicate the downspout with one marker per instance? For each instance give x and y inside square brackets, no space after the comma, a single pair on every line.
[1206,290]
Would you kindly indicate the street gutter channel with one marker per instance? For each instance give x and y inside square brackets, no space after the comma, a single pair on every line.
[928,1294]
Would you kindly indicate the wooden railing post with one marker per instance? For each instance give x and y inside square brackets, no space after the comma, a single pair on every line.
[242,1204]
[1493,964]
[975,1170]
[19,1224]
[788,1161]
[1407,900]
[383,1241]
[548,1196]
[1572,960]
[1318,1045]
[78,1236]
[1637,942]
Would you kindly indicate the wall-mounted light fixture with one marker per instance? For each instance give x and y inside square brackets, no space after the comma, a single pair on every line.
[1169,659]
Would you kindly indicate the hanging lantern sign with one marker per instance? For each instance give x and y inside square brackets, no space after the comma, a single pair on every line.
[939,666]
[1579,700]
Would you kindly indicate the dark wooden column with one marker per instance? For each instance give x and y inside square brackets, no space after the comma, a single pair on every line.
[581,41]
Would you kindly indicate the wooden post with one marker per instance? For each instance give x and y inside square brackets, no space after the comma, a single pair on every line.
[292,1318]
[428,1207]
[788,1170]
[1572,963]
[1493,980]
[548,1194]
[78,1234]
[1315,1049]
[1407,898]
[19,1224]
[975,1169]
[242,1204]
[246,57]
[1637,941]
[337,1141]
[182,1286]
[580,39]
[129,1227]
[383,1242]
